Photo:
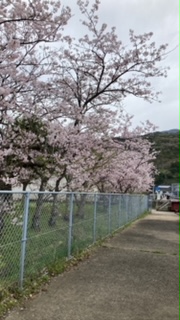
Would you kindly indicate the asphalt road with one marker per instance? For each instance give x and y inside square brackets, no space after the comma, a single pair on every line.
[133,276]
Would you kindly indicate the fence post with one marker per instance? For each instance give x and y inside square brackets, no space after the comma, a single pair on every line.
[130,207]
[133,213]
[119,211]
[70,226]
[136,205]
[95,218]
[109,214]
[140,207]
[24,238]
[127,207]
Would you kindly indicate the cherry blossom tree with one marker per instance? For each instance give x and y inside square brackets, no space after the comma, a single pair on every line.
[85,75]
[101,162]
[60,101]
[27,32]
[131,170]
[110,164]
[98,70]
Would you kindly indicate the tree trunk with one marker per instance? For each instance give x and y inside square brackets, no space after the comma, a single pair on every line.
[6,203]
[25,184]
[4,186]
[55,209]
[1,222]
[39,205]
[54,212]
[80,212]
[67,207]
[6,197]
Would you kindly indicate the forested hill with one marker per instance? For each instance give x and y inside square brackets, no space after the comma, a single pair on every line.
[167,162]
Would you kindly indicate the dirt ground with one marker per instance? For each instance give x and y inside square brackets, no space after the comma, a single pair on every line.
[133,276]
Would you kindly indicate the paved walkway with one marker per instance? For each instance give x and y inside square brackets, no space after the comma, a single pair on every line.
[134,276]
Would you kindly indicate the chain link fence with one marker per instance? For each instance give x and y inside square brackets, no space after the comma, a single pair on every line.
[38,229]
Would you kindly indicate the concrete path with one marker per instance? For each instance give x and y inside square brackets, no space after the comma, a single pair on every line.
[133,276]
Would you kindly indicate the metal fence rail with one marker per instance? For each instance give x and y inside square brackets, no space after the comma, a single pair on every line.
[39,228]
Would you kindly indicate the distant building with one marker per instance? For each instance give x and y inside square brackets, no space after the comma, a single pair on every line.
[163,188]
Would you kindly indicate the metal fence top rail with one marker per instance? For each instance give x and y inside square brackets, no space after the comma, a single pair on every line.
[69,192]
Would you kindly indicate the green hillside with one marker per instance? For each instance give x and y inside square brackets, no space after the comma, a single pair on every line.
[167,162]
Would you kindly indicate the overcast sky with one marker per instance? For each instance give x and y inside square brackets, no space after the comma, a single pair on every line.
[160,17]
